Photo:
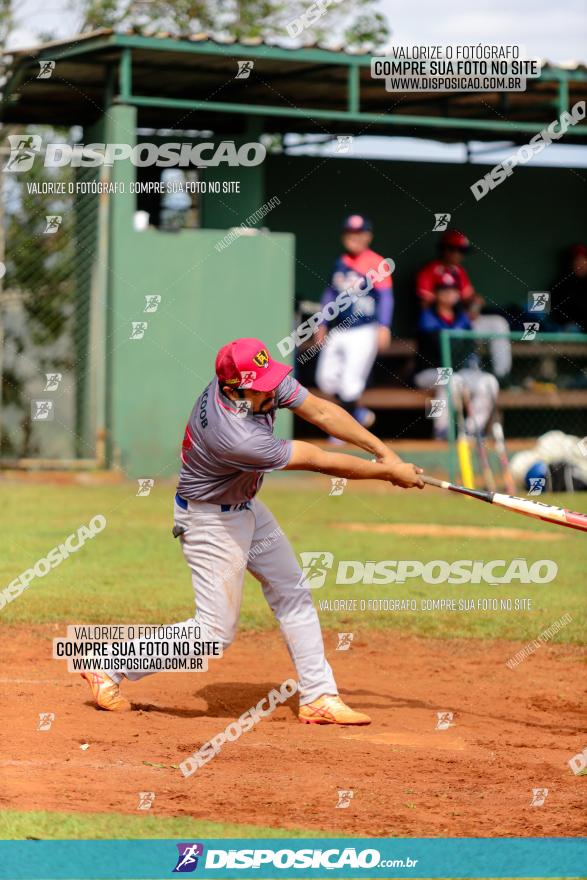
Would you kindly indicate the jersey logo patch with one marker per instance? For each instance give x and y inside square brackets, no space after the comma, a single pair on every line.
[261,358]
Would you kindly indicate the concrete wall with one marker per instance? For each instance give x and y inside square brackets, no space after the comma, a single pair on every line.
[208,298]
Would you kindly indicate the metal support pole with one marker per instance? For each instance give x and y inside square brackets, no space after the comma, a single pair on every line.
[353,86]
[446,357]
[563,96]
[125,76]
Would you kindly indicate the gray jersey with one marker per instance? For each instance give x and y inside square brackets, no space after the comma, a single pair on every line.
[226,450]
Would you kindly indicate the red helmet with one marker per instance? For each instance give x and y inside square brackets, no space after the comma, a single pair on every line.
[447,281]
[452,238]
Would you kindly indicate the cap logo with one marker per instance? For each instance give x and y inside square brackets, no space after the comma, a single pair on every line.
[261,358]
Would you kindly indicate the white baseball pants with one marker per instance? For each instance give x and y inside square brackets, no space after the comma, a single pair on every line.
[346,360]
[219,547]
[499,349]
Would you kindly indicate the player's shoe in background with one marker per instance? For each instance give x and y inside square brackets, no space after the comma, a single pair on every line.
[364,416]
[106,692]
[330,709]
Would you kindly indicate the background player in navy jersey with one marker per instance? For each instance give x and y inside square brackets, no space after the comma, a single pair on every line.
[352,339]
[445,312]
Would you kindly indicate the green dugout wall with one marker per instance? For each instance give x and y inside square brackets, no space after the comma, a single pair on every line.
[153,382]
[142,389]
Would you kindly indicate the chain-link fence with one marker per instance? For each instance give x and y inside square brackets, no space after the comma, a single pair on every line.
[48,239]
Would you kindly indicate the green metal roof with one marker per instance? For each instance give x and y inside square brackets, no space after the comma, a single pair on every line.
[189,83]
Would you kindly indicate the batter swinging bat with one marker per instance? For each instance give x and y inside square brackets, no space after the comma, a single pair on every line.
[537,509]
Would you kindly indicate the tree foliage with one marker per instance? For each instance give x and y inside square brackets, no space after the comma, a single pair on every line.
[354,24]
[40,266]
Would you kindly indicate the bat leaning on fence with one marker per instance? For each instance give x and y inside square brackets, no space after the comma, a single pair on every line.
[481,448]
[463,448]
[502,454]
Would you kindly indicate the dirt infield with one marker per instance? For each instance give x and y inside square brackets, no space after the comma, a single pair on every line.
[514,730]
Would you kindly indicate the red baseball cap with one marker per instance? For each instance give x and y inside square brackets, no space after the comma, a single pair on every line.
[447,281]
[246,363]
[452,238]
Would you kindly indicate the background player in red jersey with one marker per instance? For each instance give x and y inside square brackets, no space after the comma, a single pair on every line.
[454,246]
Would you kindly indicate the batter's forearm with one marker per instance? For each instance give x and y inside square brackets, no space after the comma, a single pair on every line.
[337,422]
[335,464]
[305,456]
[354,468]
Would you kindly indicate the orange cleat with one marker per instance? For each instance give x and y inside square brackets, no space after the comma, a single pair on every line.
[330,709]
[106,692]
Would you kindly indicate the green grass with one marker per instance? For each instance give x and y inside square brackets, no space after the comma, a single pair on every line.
[16,825]
[134,571]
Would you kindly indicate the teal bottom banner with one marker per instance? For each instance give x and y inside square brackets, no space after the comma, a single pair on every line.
[337,857]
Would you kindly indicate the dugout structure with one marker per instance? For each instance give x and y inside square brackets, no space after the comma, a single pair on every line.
[133,395]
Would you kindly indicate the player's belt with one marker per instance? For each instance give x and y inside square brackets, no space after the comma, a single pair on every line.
[181,502]
[224,508]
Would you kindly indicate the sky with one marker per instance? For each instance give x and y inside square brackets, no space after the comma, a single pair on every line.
[553,30]
[556,31]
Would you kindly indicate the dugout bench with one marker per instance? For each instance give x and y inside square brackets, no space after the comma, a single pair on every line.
[533,405]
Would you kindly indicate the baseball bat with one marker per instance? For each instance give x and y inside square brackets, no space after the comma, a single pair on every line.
[502,454]
[481,448]
[463,448]
[560,516]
